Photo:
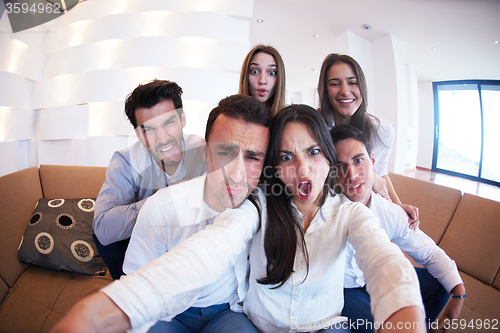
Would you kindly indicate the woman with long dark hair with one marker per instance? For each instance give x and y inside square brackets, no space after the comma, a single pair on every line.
[343,100]
[297,257]
[297,253]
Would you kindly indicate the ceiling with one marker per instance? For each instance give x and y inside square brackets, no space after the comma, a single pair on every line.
[463,33]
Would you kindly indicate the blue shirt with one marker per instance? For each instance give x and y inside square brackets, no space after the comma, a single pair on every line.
[133,176]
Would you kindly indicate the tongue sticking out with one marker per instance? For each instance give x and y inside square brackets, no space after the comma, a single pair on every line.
[172,153]
[262,92]
[304,188]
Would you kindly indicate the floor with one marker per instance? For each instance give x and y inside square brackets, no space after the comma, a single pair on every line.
[466,186]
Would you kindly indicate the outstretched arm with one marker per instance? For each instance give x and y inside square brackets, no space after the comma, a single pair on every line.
[162,288]
[454,307]
[94,313]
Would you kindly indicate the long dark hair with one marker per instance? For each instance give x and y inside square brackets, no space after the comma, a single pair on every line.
[361,119]
[283,233]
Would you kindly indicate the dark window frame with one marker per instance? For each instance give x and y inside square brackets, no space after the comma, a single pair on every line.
[435,86]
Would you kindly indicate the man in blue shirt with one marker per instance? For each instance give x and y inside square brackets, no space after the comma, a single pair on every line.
[163,155]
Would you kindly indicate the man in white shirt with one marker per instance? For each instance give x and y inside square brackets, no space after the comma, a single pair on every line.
[234,148]
[355,163]
[163,156]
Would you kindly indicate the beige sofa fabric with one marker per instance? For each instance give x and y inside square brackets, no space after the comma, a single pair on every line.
[18,197]
[35,298]
[438,203]
[473,238]
[71,182]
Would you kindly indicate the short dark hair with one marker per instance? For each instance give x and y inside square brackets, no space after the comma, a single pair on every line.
[344,131]
[149,94]
[246,108]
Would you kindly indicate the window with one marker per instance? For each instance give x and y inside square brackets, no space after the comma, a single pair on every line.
[467,129]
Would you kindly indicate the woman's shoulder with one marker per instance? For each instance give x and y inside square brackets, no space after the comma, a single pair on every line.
[384,128]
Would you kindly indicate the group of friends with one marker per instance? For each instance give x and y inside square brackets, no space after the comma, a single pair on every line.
[279,220]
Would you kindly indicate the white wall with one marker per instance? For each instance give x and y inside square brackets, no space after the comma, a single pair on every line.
[426,126]
[64,83]
[392,91]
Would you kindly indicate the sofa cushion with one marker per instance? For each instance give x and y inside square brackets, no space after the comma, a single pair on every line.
[42,296]
[481,304]
[62,181]
[59,236]
[4,290]
[472,239]
[20,193]
[437,203]
[496,283]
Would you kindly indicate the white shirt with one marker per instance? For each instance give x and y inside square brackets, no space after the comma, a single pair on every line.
[144,295]
[416,243]
[169,217]
[381,146]
[131,177]
[313,300]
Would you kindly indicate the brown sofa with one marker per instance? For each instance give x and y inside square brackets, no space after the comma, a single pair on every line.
[467,227]
[32,298]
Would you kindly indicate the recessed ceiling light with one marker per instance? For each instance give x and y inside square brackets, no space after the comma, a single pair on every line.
[496,42]
[260,20]
[316,36]
[433,48]
[367,27]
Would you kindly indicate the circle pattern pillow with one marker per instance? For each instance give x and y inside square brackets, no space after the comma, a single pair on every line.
[59,236]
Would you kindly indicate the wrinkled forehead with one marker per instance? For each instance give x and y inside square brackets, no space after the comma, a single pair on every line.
[152,118]
[228,133]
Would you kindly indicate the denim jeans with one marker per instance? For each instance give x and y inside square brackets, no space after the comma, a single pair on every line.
[113,255]
[216,318]
[339,328]
[357,301]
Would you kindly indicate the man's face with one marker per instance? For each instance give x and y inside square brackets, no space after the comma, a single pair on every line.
[160,131]
[234,155]
[355,170]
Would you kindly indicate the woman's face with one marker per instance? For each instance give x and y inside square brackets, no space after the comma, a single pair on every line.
[343,91]
[302,167]
[262,76]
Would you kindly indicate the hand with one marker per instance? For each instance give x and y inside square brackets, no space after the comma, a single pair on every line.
[413,215]
[380,187]
[94,313]
[454,307]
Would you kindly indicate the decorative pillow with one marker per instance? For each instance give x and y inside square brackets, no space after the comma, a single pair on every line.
[59,236]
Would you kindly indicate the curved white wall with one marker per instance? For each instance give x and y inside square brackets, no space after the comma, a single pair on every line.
[64,83]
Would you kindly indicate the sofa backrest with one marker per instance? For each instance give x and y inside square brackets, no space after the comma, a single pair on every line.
[19,193]
[437,204]
[71,182]
[473,238]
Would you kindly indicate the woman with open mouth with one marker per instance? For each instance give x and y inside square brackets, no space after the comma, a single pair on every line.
[297,256]
[263,77]
[343,98]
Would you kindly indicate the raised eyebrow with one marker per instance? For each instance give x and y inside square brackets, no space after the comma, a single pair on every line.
[258,65]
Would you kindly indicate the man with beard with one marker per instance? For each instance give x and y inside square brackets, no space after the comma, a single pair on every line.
[163,156]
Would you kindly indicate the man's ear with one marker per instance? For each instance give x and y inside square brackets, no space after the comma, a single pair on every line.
[372,157]
[183,119]
[203,147]
[141,137]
